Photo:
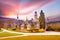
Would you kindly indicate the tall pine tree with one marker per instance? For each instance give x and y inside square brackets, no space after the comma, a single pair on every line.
[42,20]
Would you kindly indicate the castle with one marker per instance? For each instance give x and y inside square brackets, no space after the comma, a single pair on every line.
[23,25]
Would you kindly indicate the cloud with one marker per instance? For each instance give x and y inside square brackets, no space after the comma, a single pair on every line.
[1,12]
[11,7]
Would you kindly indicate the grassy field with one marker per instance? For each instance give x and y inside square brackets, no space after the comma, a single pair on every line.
[46,37]
[0,30]
[6,34]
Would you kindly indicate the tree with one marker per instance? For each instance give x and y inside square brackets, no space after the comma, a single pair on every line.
[50,29]
[1,24]
[42,20]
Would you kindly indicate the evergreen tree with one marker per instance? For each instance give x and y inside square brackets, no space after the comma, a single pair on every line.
[42,20]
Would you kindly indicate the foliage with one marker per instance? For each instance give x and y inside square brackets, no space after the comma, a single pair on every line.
[0,30]
[57,29]
[14,29]
[36,30]
[33,30]
[42,20]
[50,29]
[41,30]
[54,27]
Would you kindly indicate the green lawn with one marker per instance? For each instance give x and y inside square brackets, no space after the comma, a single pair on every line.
[46,37]
[0,30]
[5,34]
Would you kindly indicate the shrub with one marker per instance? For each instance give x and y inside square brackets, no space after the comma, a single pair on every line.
[14,29]
[30,30]
[0,28]
[57,29]
[33,30]
[41,30]
[50,29]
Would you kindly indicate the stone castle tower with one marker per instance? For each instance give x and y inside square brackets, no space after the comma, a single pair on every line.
[35,15]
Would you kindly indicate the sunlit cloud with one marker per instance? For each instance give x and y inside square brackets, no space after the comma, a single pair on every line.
[23,7]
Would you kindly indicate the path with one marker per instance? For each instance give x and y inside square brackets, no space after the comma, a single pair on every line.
[28,34]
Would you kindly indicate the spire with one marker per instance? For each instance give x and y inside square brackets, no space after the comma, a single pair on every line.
[41,12]
[35,13]
[18,13]
[17,17]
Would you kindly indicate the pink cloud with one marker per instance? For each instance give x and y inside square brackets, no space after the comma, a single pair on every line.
[11,7]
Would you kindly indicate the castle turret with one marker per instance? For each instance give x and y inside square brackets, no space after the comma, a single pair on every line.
[35,16]
[17,17]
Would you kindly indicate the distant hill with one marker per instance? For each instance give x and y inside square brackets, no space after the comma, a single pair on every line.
[54,18]
[3,19]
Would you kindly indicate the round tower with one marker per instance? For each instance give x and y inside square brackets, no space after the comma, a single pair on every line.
[35,16]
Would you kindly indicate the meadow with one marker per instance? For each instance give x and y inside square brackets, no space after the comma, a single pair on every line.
[41,37]
[6,34]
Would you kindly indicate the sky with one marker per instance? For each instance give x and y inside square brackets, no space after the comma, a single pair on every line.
[26,8]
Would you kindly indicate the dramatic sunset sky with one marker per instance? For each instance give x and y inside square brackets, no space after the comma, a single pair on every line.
[26,8]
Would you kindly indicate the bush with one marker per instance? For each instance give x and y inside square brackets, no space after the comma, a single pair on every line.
[41,30]
[50,29]
[57,29]
[14,29]
[30,30]
[33,30]
[0,28]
